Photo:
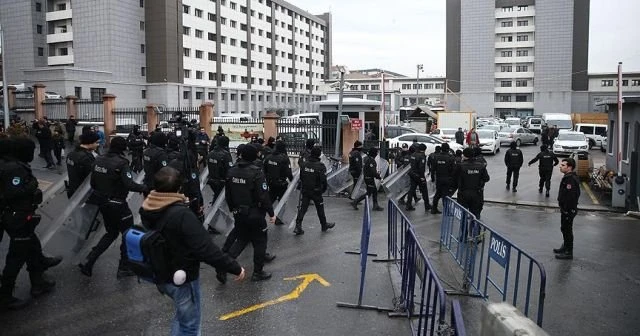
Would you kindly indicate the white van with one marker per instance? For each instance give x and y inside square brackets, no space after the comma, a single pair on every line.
[534,124]
[513,121]
[560,120]
[596,133]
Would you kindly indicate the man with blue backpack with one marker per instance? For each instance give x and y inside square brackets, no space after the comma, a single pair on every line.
[183,243]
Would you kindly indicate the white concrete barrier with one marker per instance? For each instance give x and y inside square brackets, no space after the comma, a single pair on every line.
[503,319]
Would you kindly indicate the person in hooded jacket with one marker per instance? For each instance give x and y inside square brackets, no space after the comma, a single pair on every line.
[155,157]
[277,169]
[165,209]
[513,159]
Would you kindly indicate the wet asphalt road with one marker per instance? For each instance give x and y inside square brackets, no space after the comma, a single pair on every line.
[594,294]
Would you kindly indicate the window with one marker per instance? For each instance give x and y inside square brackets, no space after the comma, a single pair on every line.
[212,56]
[243,9]
[506,24]
[186,52]
[187,73]
[429,86]
[212,17]
[506,68]
[522,53]
[186,94]
[506,39]
[506,53]
[625,146]
[243,79]
[607,82]
[62,6]
[601,131]
[141,3]
[523,23]
[223,39]
[78,92]
[364,87]
[232,96]
[505,83]
[521,83]
[197,12]
[39,29]
[199,74]
[64,51]
[234,79]
[243,44]
[212,76]
[97,93]
[243,62]
[522,8]
[587,130]
[507,9]
[232,23]
[353,87]
[38,7]
[210,96]
[223,20]
[143,71]
[521,98]
[233,60]
[141,25]
[199,95]
[522,68]
[244,27]
[260,16]
[374,87]
[211,36]
[232,5]
[625,82]
[523,38]
[142,48]
[143,94]
[232,41]
[199,33]
[223,77]
[635,82]
[504,99]
[186,30]
[186,9]
[40,51]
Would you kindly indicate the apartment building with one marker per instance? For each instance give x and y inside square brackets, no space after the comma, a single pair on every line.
[604,87]
[518,57]
[245,56]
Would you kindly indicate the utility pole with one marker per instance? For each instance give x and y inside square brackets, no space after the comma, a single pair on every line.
[419,68]
[5,85]
[338,128]
[620,140]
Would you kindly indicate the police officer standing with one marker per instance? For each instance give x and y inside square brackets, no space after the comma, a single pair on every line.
[513,159]
[431,163]
[219,161]
[403,159]
[355,162]
[111,181]
[135,142]
[444,168]
[155,157]
[202,144]
[568,195]
[277,168]
[370,171]
[80,161]
[471,177]
[306,152]
[248,198]
[418,179]
[19,190]
[313,183]
[547,161]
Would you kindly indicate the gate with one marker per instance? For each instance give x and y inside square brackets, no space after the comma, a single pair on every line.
[296,133]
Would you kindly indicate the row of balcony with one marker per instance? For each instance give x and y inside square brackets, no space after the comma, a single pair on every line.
[517,105]
[515,29]
[59,15]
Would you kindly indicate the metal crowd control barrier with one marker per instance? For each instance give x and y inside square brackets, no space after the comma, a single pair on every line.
[456,319]
[465,238]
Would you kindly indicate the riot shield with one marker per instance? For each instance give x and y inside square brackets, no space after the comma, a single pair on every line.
[327,163]
[360,188]
[398,183]
[340,180]
[287,207]
[218,215]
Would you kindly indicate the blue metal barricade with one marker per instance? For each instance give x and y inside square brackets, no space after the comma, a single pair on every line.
[457,324]
[498,267]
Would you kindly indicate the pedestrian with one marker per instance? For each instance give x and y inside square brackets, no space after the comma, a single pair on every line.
[154,157]
[43,134]
[313,183]
[513,159]
[568,196]
[70,128]
[418,178]
[553,134]
[471,177]
[111,181]
[371,173]
[355,163]
[444,165]
[135,142]
[473,140]
[58,145]
[544,135]
[165,210]
[277,169]
[80,161]
[460,136]
[185,159]
[248,199]
[430,163]
[547,160]
[20,197]
[101,139]
[269,147]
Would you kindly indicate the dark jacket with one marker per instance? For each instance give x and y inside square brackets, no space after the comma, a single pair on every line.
[79,165]
[370,168]
[186,236]
[70,125]
[44,138]
[135,142]
[153,158]
[219,161]
[418,166]
[277,168]
[111,178]
[246,187]
[547,160]
[444,166]
[513,158]
[313,178]
[471,176]
[569,192]
[460,137]
[18,186]
[355,161]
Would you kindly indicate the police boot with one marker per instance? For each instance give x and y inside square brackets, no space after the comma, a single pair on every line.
[8,301]
[427,206]
[376,207]
[48,262]
[86,267]
[559,250]
[566,255]
[298,229]
[327,226]
[260,276]
[40,285]
[279,221]
[123,270]
[508,187]
[268,257]
[435,211]
[547,194]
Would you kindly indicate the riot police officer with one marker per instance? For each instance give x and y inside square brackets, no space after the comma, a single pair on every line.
[431,163]
[471,177]
[417,177]
[219,161]
[184,158]
[313,183]
[545,168]
[403,160]
[269,147]
[370,171]
[80,161]
[21,196]
[355,162]
[155,157]
[306,152]
[277,168]
[248,198]
[135,142]
[112,181]
[444,164]
[513,159]
[202,144]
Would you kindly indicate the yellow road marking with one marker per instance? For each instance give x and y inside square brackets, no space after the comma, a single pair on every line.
[593,197]
[306,280]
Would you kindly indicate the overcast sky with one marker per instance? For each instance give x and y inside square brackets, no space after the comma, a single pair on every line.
[397,35]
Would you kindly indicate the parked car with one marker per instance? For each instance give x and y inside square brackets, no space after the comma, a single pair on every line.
[569,142]
[393,131]
[494,127]
[52,95]
[534,124]
[429,140]
[488,141]
[595,133]
[518,134]
[513,121]
[445,133]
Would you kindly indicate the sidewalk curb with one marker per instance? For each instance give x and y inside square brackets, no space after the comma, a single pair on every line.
[549,206]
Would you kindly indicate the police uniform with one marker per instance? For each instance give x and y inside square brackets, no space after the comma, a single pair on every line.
[112,180]
[355,164]
[568,195]
[135,142]
[370,171]
[418,180]
[547,161]
[191,178]
[306,152]
[277,169]
[471,177]
[513,159]
[313,183]
[444,165]
[431,163]
[247,195]
[219,161]
[79,165]
[155,158]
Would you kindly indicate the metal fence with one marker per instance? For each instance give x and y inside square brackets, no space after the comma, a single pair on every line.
[126,118]
[24,103]
[295,135]
[456,319]
[55,109]
[88,110]
[496,269]
[188,113]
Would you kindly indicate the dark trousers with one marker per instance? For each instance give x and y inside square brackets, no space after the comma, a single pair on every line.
[57,151]
[566,227]
[136,161]
[251,230]
[318,201]
[24,247]
[420,184]
[216,187]
[443,189]
[46,154]
[472,200]
[71,137]
[545,179]
[515,171]
[372,191]
[117,219]
[355,178]
[276,191]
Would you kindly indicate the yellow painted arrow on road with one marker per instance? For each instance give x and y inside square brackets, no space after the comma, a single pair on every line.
[306,280]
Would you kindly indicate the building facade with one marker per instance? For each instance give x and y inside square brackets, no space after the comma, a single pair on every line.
[604,87]
[245,56]
[518,57]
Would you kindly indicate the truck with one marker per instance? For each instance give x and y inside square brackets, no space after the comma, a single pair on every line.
[466,120]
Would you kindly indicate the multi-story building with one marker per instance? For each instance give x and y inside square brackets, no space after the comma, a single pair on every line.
[518,57]
[245,56]
[604,87]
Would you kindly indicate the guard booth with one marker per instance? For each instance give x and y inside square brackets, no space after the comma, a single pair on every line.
[352,108]
[420,117]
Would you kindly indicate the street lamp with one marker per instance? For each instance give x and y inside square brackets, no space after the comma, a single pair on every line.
[419,69]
